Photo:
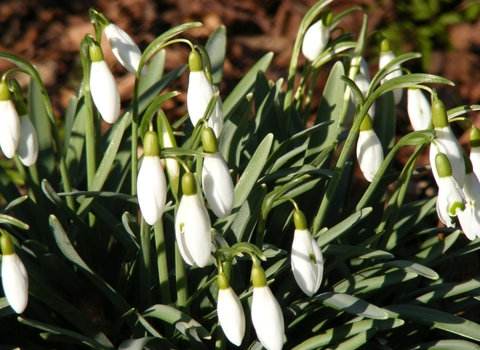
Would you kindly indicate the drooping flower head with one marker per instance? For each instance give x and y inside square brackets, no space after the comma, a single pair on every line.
[230,311]
[306,258]
[475,149]
[419,110]
[151,182]
[9,122]
[450,200]
[103,86]
[369,150]
[27,149]
[14,275]
[446,143]
[470,217]
[200,92]
[267,316]
[386,56]
[316,37]
[216,180]
[192,225]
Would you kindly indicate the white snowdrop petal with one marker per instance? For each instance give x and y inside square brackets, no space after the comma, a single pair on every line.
[449,193]
[15,282]
[217,185]
[475,159]
[27,149]
[369,153]
[9,128]
[315,40]
[231,315]
[104,89]
[395,71]
[151,189]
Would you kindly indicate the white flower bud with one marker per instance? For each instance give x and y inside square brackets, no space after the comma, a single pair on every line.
[217,185]
[104,91]
[27,149]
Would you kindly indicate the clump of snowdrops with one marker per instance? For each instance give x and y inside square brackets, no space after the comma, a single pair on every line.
[232,228]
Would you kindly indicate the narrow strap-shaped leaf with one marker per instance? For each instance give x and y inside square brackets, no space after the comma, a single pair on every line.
[216,48]
[351,305]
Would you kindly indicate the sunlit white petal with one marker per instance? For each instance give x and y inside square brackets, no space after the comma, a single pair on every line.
[231,315]
[104,91]
[315,40]
[15,282]
[475,159]
[192,231]
[419,109]
[369,153]
[449,197]
[151,189]
[217,184]
[470,218]
[9,128]
[27,149]
[395,71]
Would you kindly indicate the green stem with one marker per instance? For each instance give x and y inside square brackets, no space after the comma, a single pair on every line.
[145,280]
[162,262]
[181,281]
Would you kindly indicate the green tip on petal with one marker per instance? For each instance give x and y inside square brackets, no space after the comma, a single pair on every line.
[151,145]
[366,124]
[327,18]
[195,61]
[209,140]
[299,220]
[385,45]
[439,114]
[468,164]
[222,281]
[453,209]
[474,136]
[4,91]
[189,184]
[95,51]
[258,276]
[444,168]
[8,248]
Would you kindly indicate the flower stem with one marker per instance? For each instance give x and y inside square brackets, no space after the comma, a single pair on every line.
[162,262]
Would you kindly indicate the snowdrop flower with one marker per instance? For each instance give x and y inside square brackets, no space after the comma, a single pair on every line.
[103,86]
[171,165]
[151,182]
[470,218]
[230,311]
[475,149]
[192,225]
[386,56]
[9,123]
[124,48]
[307,258]
[200,92]
[316,37]
[14,276]
[363,84]
[27,149]
[419,110]
[216,180]
[450,200]
[267,316]
[369,150]
[446,143]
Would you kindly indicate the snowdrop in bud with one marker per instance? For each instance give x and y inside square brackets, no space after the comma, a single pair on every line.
[386,56]
[14,276]
[103,86]
[230,311]
[9,123]
[316,37]
[151,182]
[124,48]
[446,143]
[450,200]
[419,110]
[307,258]
[199,94]
[369,150]
[267,317]
[475,149]
[470,217]
[192,225]
[216,180]
[27,149]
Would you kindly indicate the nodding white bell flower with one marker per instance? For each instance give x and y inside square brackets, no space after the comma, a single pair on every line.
[363,84]
[306,258]
[450,199]
[151,182]
[475,149]
[124,48]
[27,149]
[386,56]
[316,37]
[446,143]
[14,276]
[230,311]
[470,217]
[216,180]
[419,109]
[369,150]
[267,317]
[199,93]
[192,225]
[103,87]
[9,122]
